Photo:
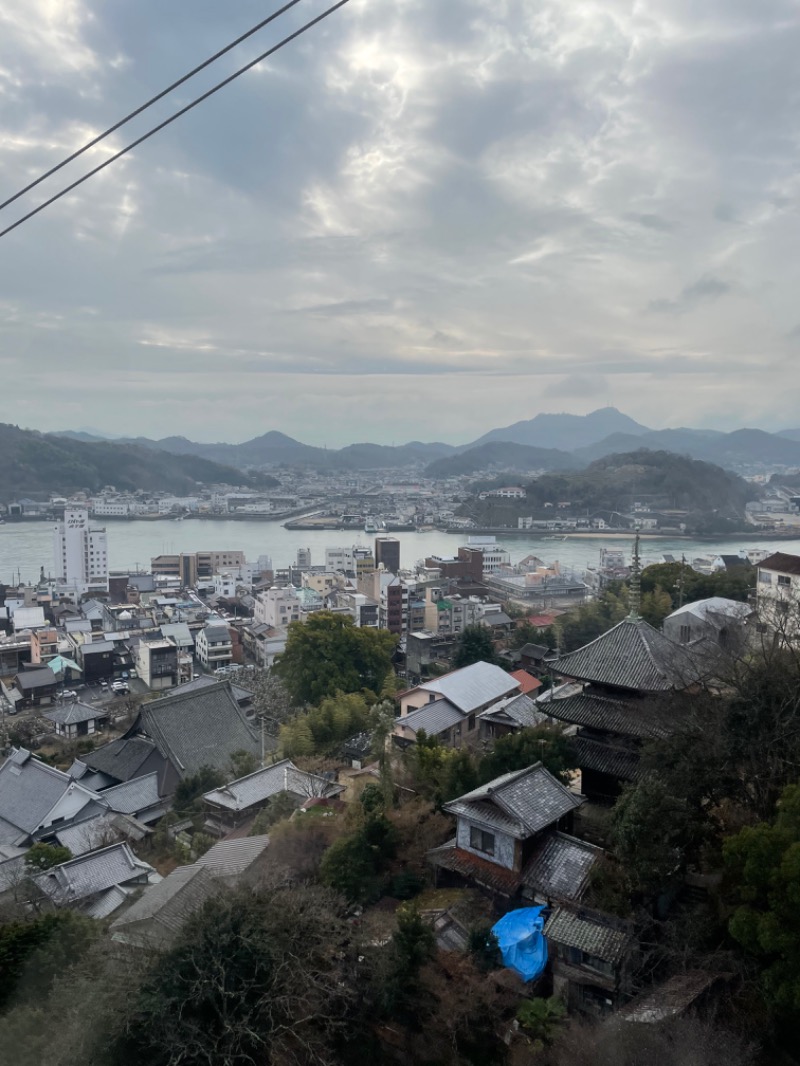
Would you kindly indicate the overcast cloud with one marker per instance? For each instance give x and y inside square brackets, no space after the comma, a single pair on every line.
[422,220]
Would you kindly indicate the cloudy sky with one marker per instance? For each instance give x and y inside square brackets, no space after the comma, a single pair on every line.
[422,220]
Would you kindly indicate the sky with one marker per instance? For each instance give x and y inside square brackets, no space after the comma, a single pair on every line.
[421,220]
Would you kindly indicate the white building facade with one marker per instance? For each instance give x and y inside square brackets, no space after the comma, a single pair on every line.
[80,552]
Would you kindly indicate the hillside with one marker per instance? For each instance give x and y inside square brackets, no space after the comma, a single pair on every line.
[566,432]
[711,497]
[502,454]
[742,449]
[37,462]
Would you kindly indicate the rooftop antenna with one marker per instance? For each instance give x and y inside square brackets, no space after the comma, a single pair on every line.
[635,596]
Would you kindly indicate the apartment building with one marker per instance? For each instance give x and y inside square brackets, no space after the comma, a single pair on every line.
[80,553]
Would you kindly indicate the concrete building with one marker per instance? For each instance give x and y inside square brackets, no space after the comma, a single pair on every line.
[778,592]
[214,646]
[80,553]
[387,553]
[188,567]
[276,607]
[157,663]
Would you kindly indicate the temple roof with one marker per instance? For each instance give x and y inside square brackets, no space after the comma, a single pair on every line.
[642,718]
[633,656]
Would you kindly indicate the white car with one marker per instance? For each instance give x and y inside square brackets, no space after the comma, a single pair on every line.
[69,694]
[120,686]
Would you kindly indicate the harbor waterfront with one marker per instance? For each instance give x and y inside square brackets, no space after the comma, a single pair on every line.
[26,547]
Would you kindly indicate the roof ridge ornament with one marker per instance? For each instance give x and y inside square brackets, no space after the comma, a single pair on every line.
[635,587]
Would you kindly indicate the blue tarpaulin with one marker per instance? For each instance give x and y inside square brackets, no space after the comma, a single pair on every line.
[521,939]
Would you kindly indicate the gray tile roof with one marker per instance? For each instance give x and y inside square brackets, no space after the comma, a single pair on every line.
[29,790]
[259,786]
[560,866]
[30,680]
[121,759]
[96,646]
[89,874]
[522,802]
[160,912]
[631,655]
[242,695]
[519,710]
[197,729]
[230,858]
[587,934]
[75,712]
[605,758]
[434,717]
[89,835]
[633,718]
[472,686]
[671,998]
[131,797]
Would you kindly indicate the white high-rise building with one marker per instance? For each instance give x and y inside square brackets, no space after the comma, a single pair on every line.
[81,553]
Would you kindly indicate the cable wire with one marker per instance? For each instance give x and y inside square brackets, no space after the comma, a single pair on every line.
[159,96]
[177,115]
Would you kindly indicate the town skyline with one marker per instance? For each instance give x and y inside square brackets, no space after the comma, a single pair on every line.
[527,208]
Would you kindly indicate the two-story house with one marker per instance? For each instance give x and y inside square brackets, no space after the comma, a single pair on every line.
[778,593]
[513,841]
[449,707]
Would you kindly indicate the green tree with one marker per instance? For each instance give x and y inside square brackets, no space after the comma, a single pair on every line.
[353,864]
[544,743]
[763,887]
[43,856]
[243,763]
[328,654]
[542,1019]
[193,786]
[277,809]
[474,646]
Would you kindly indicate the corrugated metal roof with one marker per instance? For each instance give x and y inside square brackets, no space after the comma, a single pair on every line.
[230,858]
[631,655]
[259,786]
[582,932]
[162,909]
[472,686]
[560,867]
[434,718]
[715,605]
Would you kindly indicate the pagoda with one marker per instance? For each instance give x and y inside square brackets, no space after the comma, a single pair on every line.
[620,690]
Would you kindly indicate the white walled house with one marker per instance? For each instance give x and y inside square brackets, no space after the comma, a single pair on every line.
[213,646]
[778,592]
[277,607]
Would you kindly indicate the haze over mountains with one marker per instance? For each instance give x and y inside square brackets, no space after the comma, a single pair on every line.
[546,441]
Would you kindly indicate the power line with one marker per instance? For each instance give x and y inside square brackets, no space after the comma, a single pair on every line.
[150,102]
[178,114]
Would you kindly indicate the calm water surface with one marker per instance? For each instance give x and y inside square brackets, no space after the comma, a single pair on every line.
[25,547]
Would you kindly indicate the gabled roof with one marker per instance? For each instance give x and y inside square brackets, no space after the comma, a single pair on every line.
[231,858]
[515,710]
[131,797]
[242,695]
[259,786]
[782,563]
[472,686]
[197,729]
[527,682]
[434,718]
[121,759]
[631,655]
[587,934]
[37,677]
[519,803]
[29,790]
[715,606]
[92,873]
[560,867]
[160,912]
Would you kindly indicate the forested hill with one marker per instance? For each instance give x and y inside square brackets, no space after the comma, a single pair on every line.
[36,462]
[656,480]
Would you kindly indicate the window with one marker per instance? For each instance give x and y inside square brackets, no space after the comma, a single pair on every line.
[470,722]
[480,840]
[685,634]
[785,581]
[764,577]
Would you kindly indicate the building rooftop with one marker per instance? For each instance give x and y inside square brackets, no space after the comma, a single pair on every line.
[261,785]
[472,686]
[520,803]
[561,866]
[75,712]
[632,655]
[434,718]
[581,931]
[781,562]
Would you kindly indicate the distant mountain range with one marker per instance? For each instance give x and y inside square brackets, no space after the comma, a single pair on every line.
[544,442]
[41,462]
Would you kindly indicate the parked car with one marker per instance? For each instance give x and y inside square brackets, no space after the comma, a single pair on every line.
[69,694]
[120,687]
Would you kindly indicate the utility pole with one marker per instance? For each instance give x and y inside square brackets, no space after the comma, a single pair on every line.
[680,581]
